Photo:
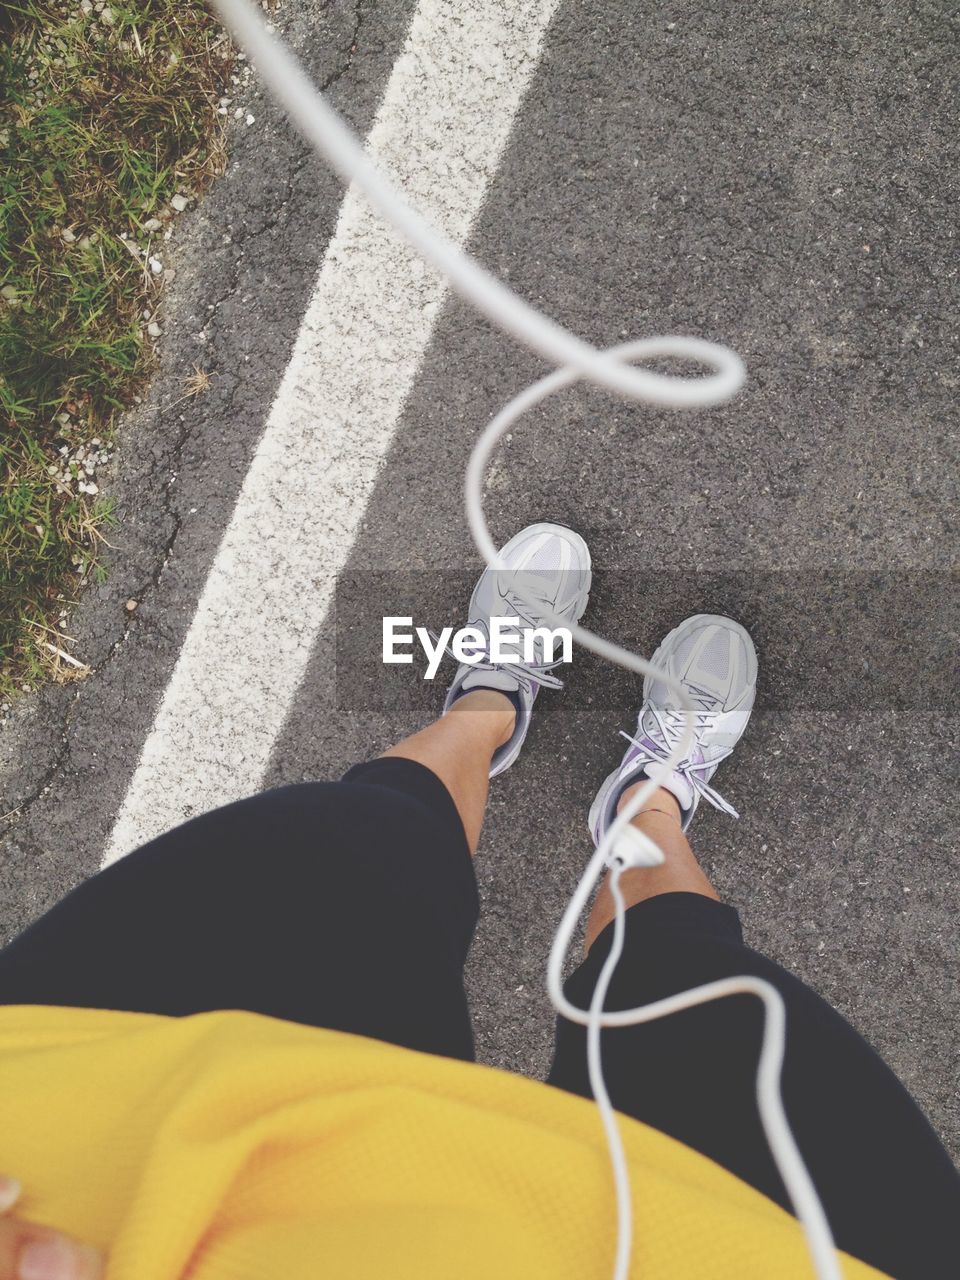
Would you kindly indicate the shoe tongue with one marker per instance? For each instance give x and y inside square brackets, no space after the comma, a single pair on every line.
[708,669]
[706,681]
[491,680]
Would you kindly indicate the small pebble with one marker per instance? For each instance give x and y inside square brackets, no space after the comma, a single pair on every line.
[131,605]
[153,329]
[179,203]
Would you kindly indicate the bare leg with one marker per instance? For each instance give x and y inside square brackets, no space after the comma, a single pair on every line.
[680,873]
[458,748]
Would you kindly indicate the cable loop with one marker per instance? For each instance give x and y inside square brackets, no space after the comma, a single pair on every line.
[614,369]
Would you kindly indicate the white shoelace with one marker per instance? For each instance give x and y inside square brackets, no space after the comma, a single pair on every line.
[572,359]
[524,674]
[670,727]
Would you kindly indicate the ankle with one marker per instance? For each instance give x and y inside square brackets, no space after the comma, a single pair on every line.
[661,802]
[498,712]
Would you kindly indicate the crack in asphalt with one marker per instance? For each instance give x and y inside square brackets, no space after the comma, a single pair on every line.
[249,237]
[172,463]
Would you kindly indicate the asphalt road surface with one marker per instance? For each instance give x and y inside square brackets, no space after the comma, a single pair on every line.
[780,180]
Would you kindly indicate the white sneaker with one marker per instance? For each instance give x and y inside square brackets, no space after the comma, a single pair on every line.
[552,563]
[715,660]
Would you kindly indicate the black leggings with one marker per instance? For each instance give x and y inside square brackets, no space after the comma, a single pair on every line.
[363,922]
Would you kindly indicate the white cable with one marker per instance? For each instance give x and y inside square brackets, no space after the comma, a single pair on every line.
[614,852]
[622,845]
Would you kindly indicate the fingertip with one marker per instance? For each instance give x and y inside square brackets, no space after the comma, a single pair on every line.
[10,1190]
[90,1262]
[57,1258]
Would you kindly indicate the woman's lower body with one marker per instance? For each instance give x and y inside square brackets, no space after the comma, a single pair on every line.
[352,905]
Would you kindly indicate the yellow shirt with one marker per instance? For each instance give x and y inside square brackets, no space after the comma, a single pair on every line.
[230,1146]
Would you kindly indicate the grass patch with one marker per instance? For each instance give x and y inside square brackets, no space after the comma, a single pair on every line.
[107,114]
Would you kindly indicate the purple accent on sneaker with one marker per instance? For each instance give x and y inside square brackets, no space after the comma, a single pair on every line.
[635,751]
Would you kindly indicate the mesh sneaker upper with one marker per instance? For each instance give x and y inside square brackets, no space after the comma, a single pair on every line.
[714,659]
[551,565]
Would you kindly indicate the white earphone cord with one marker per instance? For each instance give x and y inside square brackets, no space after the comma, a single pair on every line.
[623,845]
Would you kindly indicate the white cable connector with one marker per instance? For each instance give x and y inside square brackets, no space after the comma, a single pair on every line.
[622,845]
[633,848]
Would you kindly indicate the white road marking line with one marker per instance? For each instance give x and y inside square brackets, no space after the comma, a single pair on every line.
[440,130]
